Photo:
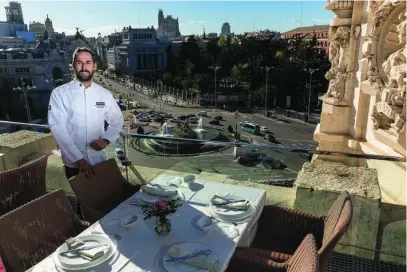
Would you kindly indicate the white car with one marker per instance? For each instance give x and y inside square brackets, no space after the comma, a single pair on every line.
[243,123]
[203,113]
[264,129]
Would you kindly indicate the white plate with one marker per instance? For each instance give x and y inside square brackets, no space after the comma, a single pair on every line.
[188,247]
[145,198]
[229,214]
[75,262]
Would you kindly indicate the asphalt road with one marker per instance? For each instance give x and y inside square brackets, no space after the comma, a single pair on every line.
[287,134]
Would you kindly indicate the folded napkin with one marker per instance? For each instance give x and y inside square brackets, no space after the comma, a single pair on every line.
[129,221]
[201,261]
[159,190]
[223,203]
[90,254]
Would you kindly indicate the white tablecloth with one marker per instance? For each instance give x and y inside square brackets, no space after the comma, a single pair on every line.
[141,249]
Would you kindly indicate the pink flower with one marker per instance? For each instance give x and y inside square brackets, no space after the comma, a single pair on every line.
[161,203]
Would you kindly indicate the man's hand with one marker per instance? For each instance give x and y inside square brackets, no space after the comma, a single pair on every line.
[99,145]
[84,166]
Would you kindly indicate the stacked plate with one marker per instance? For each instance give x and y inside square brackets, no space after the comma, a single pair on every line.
[73,261]
[223,213]
[151,193]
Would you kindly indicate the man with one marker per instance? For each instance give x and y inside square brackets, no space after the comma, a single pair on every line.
[77,114]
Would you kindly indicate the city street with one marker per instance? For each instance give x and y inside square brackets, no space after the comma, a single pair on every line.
[287,134]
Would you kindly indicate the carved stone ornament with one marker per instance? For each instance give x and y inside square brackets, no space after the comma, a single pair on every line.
[342,9]
[389,113]
[380,16]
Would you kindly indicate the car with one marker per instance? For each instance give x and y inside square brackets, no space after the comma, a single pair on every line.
[182,117]
[214,122]
[203,113]
[245,160]
[119,153]
[190,115]
[270,138]
[158,119]
[218,117]
[144,119]
[175,120]
[272,163]
[256,156]
[243,123]
[193,120]
[264,129]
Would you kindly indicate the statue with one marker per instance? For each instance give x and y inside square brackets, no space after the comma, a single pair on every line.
[390,112]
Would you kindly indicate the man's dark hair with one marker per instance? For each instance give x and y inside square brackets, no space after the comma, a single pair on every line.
[81,50]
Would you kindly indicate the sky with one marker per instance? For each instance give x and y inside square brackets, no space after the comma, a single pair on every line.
[107,16]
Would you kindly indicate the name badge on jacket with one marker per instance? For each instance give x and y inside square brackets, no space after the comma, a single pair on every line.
[100,104]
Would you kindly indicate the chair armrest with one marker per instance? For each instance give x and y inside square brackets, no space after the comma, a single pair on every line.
[243,261]
[271,255]
[290,225]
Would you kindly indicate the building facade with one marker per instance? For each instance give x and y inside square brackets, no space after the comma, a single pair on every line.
[38,29]
[140,52]
[167,26]
[14,13]
[49,27]
[225,31]
[308,33]
[15,42]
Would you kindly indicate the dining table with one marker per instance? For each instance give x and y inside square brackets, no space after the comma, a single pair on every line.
[141,248]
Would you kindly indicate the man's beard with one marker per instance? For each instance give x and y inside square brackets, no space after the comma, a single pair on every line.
[84,77]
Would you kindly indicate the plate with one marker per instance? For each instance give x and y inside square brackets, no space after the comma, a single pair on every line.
[188,247]
[229,214]
[145,198]
[75,262]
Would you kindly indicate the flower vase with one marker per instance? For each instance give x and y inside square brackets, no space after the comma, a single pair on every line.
[163,225]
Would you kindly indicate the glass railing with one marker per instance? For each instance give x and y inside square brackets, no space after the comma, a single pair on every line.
[295,176]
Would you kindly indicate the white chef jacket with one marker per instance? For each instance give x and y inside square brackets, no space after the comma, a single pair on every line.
[77,115]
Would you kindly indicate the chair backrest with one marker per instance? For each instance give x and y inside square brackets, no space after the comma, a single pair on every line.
[337,223]
[33,231]
[22,184]
[102,191]
[305,257]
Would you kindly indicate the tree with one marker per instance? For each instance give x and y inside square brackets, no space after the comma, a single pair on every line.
[140,130]
[230,129]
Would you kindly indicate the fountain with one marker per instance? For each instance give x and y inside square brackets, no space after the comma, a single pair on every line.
[168,145]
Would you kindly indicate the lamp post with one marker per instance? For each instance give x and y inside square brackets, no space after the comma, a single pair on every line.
[24,89]
[310,71]
[267,69]
[215,68]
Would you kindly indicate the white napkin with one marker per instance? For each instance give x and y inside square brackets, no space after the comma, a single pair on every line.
[201,261]
[204,223]
[90,254]
[241,205]
[129,221]
[159,190]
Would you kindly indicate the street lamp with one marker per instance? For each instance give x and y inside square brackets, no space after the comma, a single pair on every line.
[267,69]
[24,90]
[215,68]
[310,71]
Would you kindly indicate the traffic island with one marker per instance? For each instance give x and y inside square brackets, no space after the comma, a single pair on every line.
[318,185]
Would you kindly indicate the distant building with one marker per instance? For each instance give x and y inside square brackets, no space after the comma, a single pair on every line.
[14,13]
[167,26]
[308,32]
[17,42]
[211,35]
[38,29]
[49,27]
[140,52]
[225,31]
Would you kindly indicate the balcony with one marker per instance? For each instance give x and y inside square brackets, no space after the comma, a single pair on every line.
[374,242]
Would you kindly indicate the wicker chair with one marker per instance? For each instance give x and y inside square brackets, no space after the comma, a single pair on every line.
[33,231]
[304,259]
[22,185]
[103,192]
[282,230]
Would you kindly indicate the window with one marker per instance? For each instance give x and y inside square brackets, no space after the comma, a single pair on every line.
[25,70]
[125,36]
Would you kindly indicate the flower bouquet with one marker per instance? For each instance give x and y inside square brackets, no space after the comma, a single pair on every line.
[161,210]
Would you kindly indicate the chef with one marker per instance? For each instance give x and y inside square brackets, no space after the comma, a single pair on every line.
[77,114]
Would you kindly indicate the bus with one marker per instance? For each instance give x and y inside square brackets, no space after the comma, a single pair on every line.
[252,128]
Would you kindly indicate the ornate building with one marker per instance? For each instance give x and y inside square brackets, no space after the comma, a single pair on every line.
[167,26]
[364,109]
[38,29]
[49,27]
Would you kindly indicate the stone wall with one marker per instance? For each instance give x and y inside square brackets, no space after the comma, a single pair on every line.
[19,147]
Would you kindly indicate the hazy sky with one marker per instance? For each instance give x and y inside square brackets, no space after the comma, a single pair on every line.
[106,16]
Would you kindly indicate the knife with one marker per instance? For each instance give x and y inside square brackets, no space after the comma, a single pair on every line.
[229,202]
[81,248]
[189,256]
